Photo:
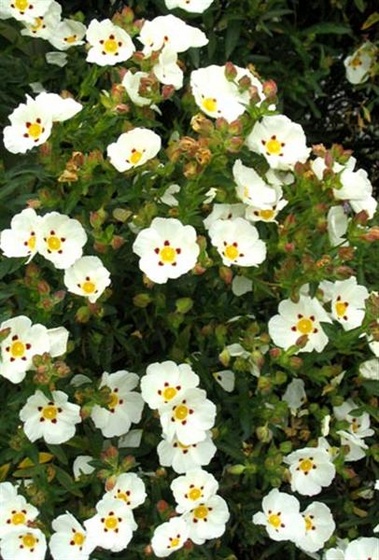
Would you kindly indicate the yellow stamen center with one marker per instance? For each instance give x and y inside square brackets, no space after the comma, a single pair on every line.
[355,62]
[194,494]
[70,39]
[308,523]
[169,393]
[306,465]
[341,308]
[181,412]
[305,326]
[29,540]
[274,520]
[135,157]
[167,255]
[17,349]
[21,5]
[50,412]
[231,252]
[110,46]
[38,22]
[53,243]
[113,401]
[35,130]
[111,523]
[273,146]
[210,104]
[174,542]
[78,539]
[88,287]
[31,242]
[200,512]
[267,214]
[18,518]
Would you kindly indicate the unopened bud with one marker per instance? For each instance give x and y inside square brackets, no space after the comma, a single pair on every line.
[270,89]
[230,71]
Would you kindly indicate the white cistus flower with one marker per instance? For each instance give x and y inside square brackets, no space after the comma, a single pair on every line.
[193,6]
[281,516]
[21,239]
[134,148]
[109,44]
[87,277]
[169,537]
[311,470]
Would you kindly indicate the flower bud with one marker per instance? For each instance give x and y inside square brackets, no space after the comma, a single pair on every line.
[230,71]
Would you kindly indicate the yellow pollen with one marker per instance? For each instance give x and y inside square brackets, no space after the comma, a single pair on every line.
[267,214]
[35,130]
[200,512]
[21,5]
[210,104]
[78,538]
[38,22]
[18,518]
[181,412]
[88,287]
[53,243]
[122,496]
[182,446]
[231,252]
[135,157]
[70,39]
[50,412]
[308,523]
[355,62]
[341,308]
[110,46]
[169,393]
[17,349]
[111,523]
[29,540]
[167,255]
[275,520]
[194,494]
[306,465]
[174,542]
[31,242]
[273,146]
[113,401]
[305,326]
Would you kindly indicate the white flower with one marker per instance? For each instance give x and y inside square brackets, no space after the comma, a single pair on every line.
[356,445]
[44,24]
[81,466]
[167,71]
[125,405]
[132,82]
[237,242]
[295,395]
[134,148]
[169,536]
[31,122]
[109,43]
[281,141]
[112,526]
[130,488]
[337,553]
[58,338]
[168,196]
[337,226]
[319,527]
[61,239]
[241,285]
[281,516]
[25,10]
[68,33]
[69,539]
[7,492]
[311,469]
[20,346]
[16,513]
[362,548]
[131,439]
[226,379]
[359,425]
[20,239]
[224,212]
[251,188]
[207,520]
[87,277]
[52,419]
[370,369]
[298,319]
[193,6]
[359,64]
[347,301]
[191,489]
[166,382]
[170,31]
[168,249]
[56,58]
[182,457]
[25,543]
[189,418]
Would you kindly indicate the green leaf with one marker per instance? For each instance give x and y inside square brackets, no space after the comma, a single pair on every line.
[371,20]
[232,37]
